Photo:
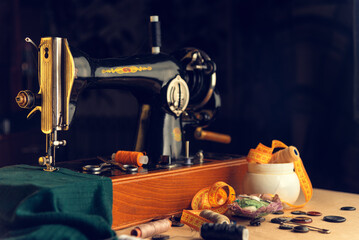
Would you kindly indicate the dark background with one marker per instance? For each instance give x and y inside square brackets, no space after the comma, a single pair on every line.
[285,71]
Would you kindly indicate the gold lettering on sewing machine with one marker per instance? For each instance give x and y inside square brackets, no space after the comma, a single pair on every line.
[122,70]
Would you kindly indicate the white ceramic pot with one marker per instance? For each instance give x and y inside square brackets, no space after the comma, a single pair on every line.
[277,178]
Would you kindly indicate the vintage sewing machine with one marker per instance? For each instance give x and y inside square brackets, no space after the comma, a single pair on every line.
[177,98]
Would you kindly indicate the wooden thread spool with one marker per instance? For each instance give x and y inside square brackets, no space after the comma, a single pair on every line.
[287,155]
[214,217]
[152,228]
[130,158]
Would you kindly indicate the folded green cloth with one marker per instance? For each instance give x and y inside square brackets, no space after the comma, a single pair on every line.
[64,204]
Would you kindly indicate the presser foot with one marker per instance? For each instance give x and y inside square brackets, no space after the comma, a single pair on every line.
[51,169]
[46,161]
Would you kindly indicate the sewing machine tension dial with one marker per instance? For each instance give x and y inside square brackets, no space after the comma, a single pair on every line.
[177,95]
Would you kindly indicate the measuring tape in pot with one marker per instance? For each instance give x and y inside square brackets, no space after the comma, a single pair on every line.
[264,155]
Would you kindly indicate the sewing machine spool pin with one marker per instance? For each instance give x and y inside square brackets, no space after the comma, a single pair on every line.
[155,34]
[187,159]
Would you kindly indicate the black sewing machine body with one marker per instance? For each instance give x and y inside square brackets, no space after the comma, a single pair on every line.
[175,94]
[156,80]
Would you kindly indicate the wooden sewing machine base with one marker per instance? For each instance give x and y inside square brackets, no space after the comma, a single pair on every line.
[140,197]
[148,194]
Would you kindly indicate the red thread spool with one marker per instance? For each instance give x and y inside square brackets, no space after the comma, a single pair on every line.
[130,158]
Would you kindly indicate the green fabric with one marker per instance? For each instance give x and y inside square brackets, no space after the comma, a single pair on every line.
[64,204]
[246,202]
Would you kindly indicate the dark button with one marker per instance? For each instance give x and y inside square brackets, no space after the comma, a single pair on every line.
[302,220]
[160,237]
[347,208]
[256,221]
[177,217]
[279,212]
[314,213]
[298,213]
[336,219]
[280,220]
[285,227]
[177,224]
[301,229]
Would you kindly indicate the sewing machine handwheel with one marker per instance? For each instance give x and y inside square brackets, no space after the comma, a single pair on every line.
[200,75]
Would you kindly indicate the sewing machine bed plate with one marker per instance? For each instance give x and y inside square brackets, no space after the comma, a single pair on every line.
[150,193]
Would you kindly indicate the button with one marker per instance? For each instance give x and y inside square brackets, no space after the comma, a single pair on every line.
[298,213]
[285,227]
[336,219]
[177,224]
[302,220]
[314,213]
[160,237]
[301,229]
[176,217]
[279,212]
[347,208]
[256,221]
[280,220]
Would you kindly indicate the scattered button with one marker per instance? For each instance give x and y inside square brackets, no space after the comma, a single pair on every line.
[347,208]
[177,217]
[314,213]
[336,219]
[302,220]
[160,237]
[298,213]
[279,212]
[285,227]
[301,229]
[177,224]
[280,220]
[262,219]
[256,221]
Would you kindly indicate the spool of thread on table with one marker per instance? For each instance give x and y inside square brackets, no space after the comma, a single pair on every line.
[214,217]
[152,228]
[130,158]
[215,231]
[287,155]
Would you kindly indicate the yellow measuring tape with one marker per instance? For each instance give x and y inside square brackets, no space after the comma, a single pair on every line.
[263,155]
[214,197]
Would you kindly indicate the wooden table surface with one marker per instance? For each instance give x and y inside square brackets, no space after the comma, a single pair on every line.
[324,201]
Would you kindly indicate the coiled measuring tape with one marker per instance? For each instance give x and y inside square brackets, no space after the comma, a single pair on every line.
[263,155]
[214,198]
